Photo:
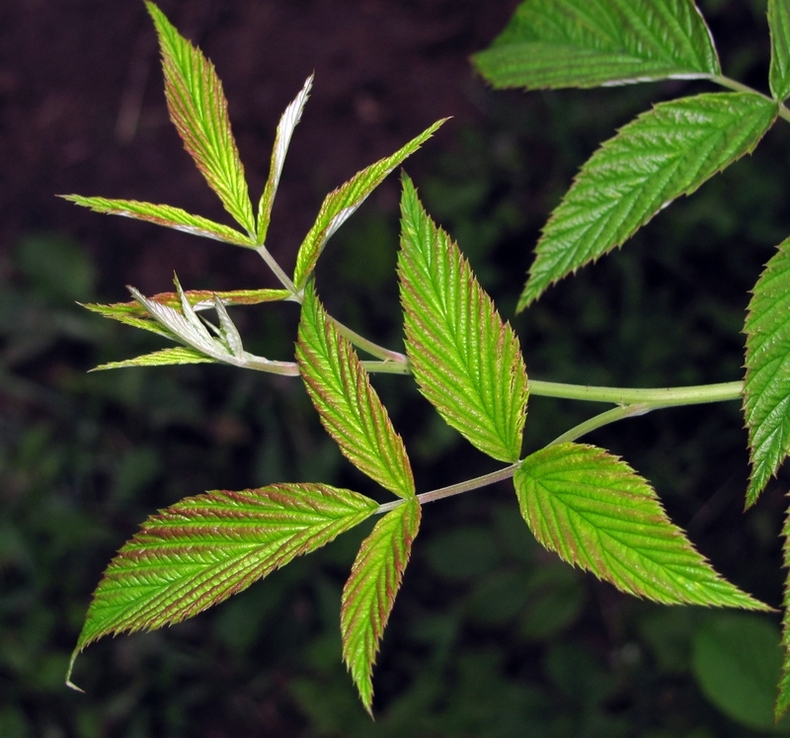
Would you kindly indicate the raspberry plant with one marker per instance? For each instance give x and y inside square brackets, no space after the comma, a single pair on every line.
[578,500]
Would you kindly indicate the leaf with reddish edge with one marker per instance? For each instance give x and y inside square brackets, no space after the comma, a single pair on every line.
[204,549]
[371,589]
[199,110]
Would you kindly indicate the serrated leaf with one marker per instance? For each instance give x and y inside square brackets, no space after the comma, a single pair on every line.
[587,43]
[466,360]
[767,384]
[164,215]
[341,203]
[779,25]
[668,151]
[199,110]
[285,128]
[350,408]
[783,698]
[370,592]
[164,357]
[203,549]
[597,513]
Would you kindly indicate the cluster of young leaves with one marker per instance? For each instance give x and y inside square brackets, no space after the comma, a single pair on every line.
[578,500]
[666,152]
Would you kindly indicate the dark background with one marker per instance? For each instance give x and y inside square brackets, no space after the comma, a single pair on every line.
[490,636]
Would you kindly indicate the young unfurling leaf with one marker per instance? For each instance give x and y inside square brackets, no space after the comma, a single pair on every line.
[466,360]
[370,592]
[597,513]
[203,549]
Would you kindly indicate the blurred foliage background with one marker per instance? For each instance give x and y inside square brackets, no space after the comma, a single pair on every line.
[491,636]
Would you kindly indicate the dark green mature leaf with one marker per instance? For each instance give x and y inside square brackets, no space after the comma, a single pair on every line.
[668,151]
[597,513]
[587,43]
[164,215]
[199,110]
[341,203]
[203,549]
[370,592]
[349,407]
[779,24]
[767,384]
[466,360]
[783,698]
[165,357]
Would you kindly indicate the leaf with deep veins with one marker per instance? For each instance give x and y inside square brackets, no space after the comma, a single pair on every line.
[767,384]
[779,24]
[370,592]
[587,43]
[199,110]
[165,215]
[203,549]
[667,152]
[466,360]
[597,513]
[350,409]
[341,203]
[783,698]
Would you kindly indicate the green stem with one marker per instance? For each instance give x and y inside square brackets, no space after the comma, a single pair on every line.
[373,348]
[733,84]
[457,489]
[598,421]
[285,280]
[655,396]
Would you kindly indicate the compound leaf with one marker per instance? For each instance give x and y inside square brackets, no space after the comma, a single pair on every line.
[587,43]
[341,203]
[164,357]
[767,384]
[165,215]
[282,140]
[779,24]
[199,110]
[466,360]
[350,408]
[370,591]
[203,549]
[668,151]
[597,513]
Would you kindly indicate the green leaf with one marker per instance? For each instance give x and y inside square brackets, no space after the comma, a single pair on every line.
[282,140]
[164,215]
[199,110]
[165,357]
[466,360]
[349,407]
[779,24]
[737,662]
[783,698]
[203,549]
[598,514]
[668,151]
[587,43]
[767,383]
[341,203]
[370,592]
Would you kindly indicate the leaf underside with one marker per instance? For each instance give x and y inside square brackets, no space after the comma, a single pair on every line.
[767,383]
[466,360]
[165,215]
[203,549]
[349,407]
[341,203]
[779,25]
[595,512]
[370,592]
[199,111]
[588,43]
[668,151]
